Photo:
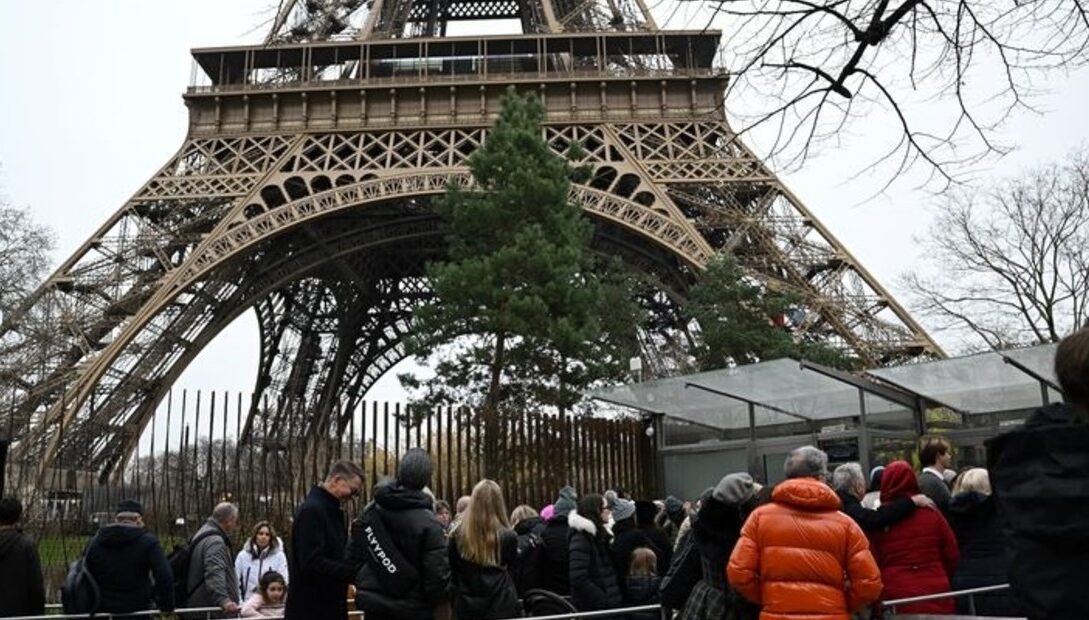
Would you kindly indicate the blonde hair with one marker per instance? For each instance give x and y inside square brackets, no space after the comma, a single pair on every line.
[976,479]
[478,536]
[522,513]
[643,563]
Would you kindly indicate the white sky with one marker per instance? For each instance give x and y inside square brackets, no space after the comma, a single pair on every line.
[91,107]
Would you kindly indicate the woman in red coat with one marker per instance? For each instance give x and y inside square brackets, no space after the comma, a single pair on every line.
[917,555]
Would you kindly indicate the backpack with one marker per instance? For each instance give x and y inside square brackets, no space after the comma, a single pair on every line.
[179,560]
[80,594]
[527,571]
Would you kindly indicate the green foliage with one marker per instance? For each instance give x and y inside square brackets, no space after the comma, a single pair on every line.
[733,312]
[523,314]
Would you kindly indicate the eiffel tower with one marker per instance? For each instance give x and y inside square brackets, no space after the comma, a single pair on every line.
[302,189]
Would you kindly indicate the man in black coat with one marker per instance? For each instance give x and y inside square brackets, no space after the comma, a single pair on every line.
[121,557]
[1040,481]
[850,485]
[405,572]
[22,590]
[554,575]
[320,572]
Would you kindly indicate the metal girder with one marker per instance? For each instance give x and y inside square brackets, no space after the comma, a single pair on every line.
[307,200]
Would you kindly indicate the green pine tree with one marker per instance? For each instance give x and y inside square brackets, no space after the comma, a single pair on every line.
[523,316]
[734,313]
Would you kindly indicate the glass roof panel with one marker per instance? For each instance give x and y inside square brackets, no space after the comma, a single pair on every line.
[782,384]
[980,383]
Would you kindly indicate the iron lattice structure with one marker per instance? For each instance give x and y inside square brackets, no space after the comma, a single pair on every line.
[302,191]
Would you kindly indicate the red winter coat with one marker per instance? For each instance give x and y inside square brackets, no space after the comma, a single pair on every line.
[917,555]
[800,557]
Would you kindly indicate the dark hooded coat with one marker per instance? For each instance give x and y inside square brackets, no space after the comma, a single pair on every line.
[122,558]
[1038,476]
[407,516]
[22,590]
[982,554]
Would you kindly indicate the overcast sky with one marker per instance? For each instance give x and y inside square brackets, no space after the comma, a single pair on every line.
[92,107]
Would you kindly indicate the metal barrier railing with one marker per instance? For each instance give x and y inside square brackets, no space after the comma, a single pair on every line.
[619,611]
[190,613]
[207,612]
[890,606]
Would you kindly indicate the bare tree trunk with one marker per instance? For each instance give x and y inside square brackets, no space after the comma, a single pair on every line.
[491,409]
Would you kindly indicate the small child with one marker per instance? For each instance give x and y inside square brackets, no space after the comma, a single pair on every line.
[269,598]
[641,585]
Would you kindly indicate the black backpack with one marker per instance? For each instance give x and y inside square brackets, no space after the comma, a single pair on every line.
[179,560]
[80,593]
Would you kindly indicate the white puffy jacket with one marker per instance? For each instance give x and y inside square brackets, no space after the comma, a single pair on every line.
[251,563]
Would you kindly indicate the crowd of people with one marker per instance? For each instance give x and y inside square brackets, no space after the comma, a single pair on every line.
[821,544]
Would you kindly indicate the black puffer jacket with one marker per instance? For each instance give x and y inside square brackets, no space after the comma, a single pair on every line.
[554,577]
[22,591]
[1040,477]
[982,553]
[594,584]
[626,539]
[121,557]
[407,516]
[485,592]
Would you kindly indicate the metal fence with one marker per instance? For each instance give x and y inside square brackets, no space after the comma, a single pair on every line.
[200,448]
[889,608]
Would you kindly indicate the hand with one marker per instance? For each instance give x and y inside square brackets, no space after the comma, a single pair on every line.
[230,607]
[922,501]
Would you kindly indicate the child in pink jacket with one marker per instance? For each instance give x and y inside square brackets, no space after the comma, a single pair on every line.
[269,598]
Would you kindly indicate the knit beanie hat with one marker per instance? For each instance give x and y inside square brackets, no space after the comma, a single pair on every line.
[673,505]
[623,509]
[610,499]
[547,512]
[566,502]
[130,507]
[734,489]
[414,470]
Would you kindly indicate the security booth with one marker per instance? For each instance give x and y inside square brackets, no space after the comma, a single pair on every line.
[748,418]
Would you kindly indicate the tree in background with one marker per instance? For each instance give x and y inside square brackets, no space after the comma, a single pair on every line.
[25,248]
[1010,262]
[735,314]
[945,75]
[522,315]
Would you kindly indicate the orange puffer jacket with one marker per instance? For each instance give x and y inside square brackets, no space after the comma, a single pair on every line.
[800,557]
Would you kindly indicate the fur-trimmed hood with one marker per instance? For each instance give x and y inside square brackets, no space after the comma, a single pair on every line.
[579,523]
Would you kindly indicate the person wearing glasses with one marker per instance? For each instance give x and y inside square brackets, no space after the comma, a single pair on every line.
[320,570]
[594,584]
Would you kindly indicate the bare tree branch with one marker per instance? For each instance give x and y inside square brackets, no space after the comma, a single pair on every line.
[1010,263]
[949,73]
